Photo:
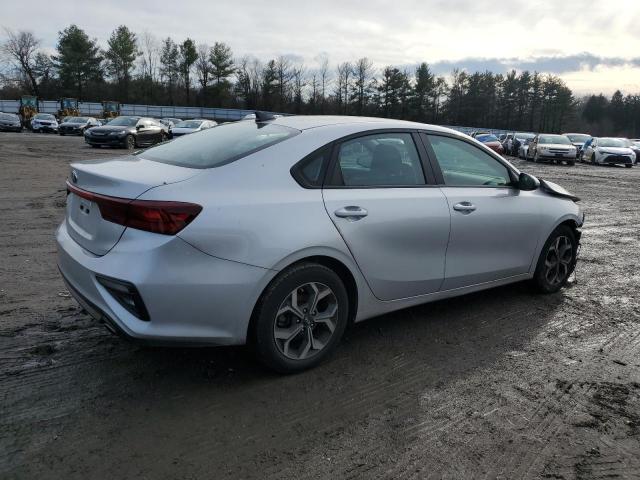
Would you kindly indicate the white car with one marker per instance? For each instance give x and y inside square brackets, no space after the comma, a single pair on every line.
[523,148]
[609,151]
[553,148]
[44,122]
[191,126]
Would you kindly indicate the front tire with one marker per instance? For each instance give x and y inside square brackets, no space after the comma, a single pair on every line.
[129,142]
[557,260]
[628,165]
[300,318]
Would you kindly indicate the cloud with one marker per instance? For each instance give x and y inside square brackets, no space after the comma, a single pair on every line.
[556,64]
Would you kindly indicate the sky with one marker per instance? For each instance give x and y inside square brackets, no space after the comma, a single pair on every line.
[594,45]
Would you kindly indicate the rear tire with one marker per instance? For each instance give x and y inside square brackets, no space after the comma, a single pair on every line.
[557,260]
[300,318]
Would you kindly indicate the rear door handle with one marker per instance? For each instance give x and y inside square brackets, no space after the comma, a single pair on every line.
[464,207]
[352,212]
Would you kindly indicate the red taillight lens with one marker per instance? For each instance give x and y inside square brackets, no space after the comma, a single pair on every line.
[167,218]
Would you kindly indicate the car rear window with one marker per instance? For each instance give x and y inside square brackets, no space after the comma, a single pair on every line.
[221,145]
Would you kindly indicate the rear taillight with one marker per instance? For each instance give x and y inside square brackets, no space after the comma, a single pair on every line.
[155,216]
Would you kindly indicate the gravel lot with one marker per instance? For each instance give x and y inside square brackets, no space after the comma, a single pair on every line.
[499,384]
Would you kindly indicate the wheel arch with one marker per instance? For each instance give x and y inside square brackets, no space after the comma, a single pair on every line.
[332,262]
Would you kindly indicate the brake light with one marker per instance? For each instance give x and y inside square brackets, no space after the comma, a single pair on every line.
[167,218]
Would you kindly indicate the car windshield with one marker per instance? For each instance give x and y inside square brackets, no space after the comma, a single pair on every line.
[124,122]
[611,142]
[8,116]
[188,124]
[553,140]
[218,146]
[578,138]
[636,144]
[44,116]
[78,119]
[487,138]
[524,136]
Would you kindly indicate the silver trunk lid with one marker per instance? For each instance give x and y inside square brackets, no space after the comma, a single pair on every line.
[125,177]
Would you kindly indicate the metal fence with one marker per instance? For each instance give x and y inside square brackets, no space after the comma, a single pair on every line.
[94,109]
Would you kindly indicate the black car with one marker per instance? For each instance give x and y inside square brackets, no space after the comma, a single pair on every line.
[128,132]
[77,125]
[10,122]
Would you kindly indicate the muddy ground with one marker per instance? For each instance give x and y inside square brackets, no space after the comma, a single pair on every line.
[499,384]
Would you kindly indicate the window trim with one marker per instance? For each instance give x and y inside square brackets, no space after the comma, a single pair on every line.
[296,170]
[429,178]
[424,137]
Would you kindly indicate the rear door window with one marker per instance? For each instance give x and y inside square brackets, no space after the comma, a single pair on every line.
[384,159]
[221,145]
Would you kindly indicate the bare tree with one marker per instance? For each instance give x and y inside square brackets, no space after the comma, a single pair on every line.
[363,72]
[22,48]
[299,83]
[284,71]
[203,67]
[149,49]
[324,77]
[344,71]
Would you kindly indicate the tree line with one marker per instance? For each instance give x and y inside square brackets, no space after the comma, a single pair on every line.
[134,68]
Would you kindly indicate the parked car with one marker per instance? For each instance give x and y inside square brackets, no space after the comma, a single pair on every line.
[578,140]
[169,122]
[128,132]
[518,138]
[479,132]
[285,231]
[633,145]
[77,125]
[10,122]
[609,151]
[491,141]
[44,122]
[553,148]
[523,148]
[506,142]
[191,126]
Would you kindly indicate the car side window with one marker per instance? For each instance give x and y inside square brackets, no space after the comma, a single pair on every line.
[463,164]
[384,159]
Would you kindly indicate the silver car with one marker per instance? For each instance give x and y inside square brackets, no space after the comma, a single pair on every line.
[282,232]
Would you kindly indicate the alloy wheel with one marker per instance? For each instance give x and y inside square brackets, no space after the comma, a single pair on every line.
[306,321]
[558,260]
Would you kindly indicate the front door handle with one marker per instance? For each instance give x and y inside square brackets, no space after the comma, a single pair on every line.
[351,212]
[464,207]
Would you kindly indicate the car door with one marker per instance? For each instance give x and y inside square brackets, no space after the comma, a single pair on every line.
[494,226]
[393,220]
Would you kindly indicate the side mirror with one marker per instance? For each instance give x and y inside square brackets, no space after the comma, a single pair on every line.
[527,182]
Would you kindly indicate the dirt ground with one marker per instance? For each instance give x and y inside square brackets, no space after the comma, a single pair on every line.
[499,384]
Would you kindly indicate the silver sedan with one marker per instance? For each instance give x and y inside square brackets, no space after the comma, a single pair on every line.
[279,232]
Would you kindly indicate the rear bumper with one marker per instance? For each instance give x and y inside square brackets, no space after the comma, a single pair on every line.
[192,298]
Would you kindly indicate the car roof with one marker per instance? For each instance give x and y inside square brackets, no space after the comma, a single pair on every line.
[305,122]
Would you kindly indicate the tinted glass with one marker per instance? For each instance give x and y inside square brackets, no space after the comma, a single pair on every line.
[610,142]
[578,138]
[463,164]
[8,116]
[124,121]
[553,140]
[386,159]
[77,119]
[218,146]
[487,138]
[524,136]
[188,124]
[44,116]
